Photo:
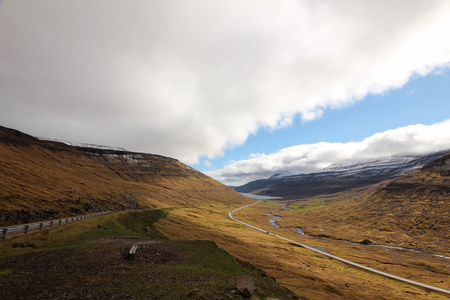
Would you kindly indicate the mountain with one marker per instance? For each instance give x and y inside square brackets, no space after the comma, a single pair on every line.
[411,211]
[280,174]
[42,179]
[337,178]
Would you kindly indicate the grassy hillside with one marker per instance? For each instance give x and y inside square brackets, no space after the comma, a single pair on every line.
[45,180]
[81,261]
[412,211]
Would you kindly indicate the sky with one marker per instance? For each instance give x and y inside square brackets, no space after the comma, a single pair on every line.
[239,90]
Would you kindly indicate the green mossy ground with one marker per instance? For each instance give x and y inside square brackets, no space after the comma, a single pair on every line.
[82,261]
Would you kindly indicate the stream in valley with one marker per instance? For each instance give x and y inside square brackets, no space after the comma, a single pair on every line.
[274,218]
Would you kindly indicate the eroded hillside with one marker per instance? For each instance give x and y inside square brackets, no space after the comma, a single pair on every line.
[44,179]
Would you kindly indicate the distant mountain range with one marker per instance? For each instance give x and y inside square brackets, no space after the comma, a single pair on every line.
[337,178]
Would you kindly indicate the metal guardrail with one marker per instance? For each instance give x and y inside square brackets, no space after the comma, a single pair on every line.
[4,231]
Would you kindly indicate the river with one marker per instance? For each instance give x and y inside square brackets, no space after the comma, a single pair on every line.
[274,218]
[259,197]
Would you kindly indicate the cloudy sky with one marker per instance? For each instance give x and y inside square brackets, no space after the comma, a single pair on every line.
[237,89]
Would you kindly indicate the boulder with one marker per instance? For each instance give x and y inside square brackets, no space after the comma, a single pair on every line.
[366,242]
[244,284]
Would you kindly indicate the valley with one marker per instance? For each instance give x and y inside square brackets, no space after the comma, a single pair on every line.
[307,273]
[189,246]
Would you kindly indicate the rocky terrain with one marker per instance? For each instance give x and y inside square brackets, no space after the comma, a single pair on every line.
[41,179]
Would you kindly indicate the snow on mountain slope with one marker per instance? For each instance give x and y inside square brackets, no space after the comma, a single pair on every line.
[337,178]
[378,166]
[83,145]
[281,174]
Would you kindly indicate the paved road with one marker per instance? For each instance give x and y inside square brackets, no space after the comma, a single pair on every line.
[422,285]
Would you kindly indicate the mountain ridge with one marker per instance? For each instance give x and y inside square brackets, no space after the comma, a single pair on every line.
[41,179]
[338,178]
[411,211]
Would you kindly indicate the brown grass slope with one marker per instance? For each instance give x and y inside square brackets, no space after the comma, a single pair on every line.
[411,211]
[44,180]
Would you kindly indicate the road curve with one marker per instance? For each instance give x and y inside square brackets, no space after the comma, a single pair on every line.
[419,284]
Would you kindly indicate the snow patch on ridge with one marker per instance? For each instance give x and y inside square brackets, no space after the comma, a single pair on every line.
[383,162]
[281,174]
[372,167]
[84,145]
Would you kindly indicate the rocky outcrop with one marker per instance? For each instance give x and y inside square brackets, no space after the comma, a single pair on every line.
[245,285]
[441,166]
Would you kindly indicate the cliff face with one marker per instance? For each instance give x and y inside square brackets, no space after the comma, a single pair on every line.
[44,179]
[441,166]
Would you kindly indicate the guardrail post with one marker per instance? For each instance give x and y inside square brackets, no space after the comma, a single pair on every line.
[26,229]
[5,232]
[51,223]
[41,225]
[67,221]
[60,222]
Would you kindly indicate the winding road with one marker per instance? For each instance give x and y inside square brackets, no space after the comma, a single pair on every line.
[391,276]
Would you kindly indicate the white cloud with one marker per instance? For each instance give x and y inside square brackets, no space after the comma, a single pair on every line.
[207,163]
[192,78]
[413,139]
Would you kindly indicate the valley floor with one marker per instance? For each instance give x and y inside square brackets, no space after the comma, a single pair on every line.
[176,259]
[305,272]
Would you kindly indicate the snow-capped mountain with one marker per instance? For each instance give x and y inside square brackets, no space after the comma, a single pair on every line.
[379,166]
[338,177]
